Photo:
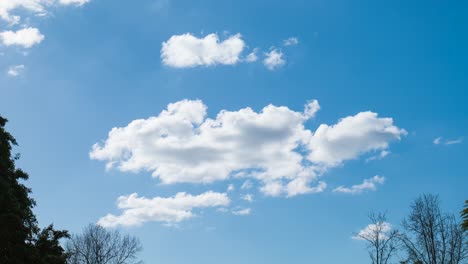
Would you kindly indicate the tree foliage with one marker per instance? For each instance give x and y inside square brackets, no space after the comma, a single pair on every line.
[97,245]
[21,240]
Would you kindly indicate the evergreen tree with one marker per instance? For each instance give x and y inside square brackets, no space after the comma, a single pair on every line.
[21,240]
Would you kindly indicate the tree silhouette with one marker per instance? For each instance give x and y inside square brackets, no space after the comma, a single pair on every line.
[433,237]
[465,217]
[21,240]
[97,245]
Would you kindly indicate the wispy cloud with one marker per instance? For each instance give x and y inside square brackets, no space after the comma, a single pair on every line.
[366,185]
[15,70]
[441,141]
[241,212]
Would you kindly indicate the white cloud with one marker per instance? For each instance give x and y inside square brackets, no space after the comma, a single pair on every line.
[311,108]
[295,187]
[172,210]
[274,59]
[74,2]
[440,141]
[26,37]
[231,188]
[182,145]
[37,7]
[15,70]
[381,155]
[186,50]
[247,185]
[291,41]
[366,185]
[374,231]
[352,136]
[247,197]
[245,211]
[252,57]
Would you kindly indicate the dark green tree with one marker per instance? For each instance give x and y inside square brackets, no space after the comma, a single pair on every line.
[465,217]
[21,240]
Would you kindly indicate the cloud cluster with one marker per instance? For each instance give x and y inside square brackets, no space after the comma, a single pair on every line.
[187,51]
[366,185]
[273,147]
[26,37]
[171,210]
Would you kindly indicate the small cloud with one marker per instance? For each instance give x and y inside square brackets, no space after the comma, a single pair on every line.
[26,37]
[274,59]
[311,108]
[231,188]
[245,211]
[187,50]
[247,185]
[381,155]
[73,2]
[252,57]
[368,184]
[441,141]
[15,70]
[290,41]
[247,197]
[374,231]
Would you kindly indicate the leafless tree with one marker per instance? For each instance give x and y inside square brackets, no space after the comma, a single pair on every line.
[433,237]
[381,239]
[97,245]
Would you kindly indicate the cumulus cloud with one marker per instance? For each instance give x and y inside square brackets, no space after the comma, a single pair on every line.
[186,50]
[374,231]
[272,146]
[366,185]
[441,141]
[26,37]
[274,59]
[352,136]
[241,212]
[171,210]
[291,41]
[37,7]
[15,70]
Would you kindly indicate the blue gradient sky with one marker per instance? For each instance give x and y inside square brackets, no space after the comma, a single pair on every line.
[99,67]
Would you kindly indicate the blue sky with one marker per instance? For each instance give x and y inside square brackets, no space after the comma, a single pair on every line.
[95,65]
